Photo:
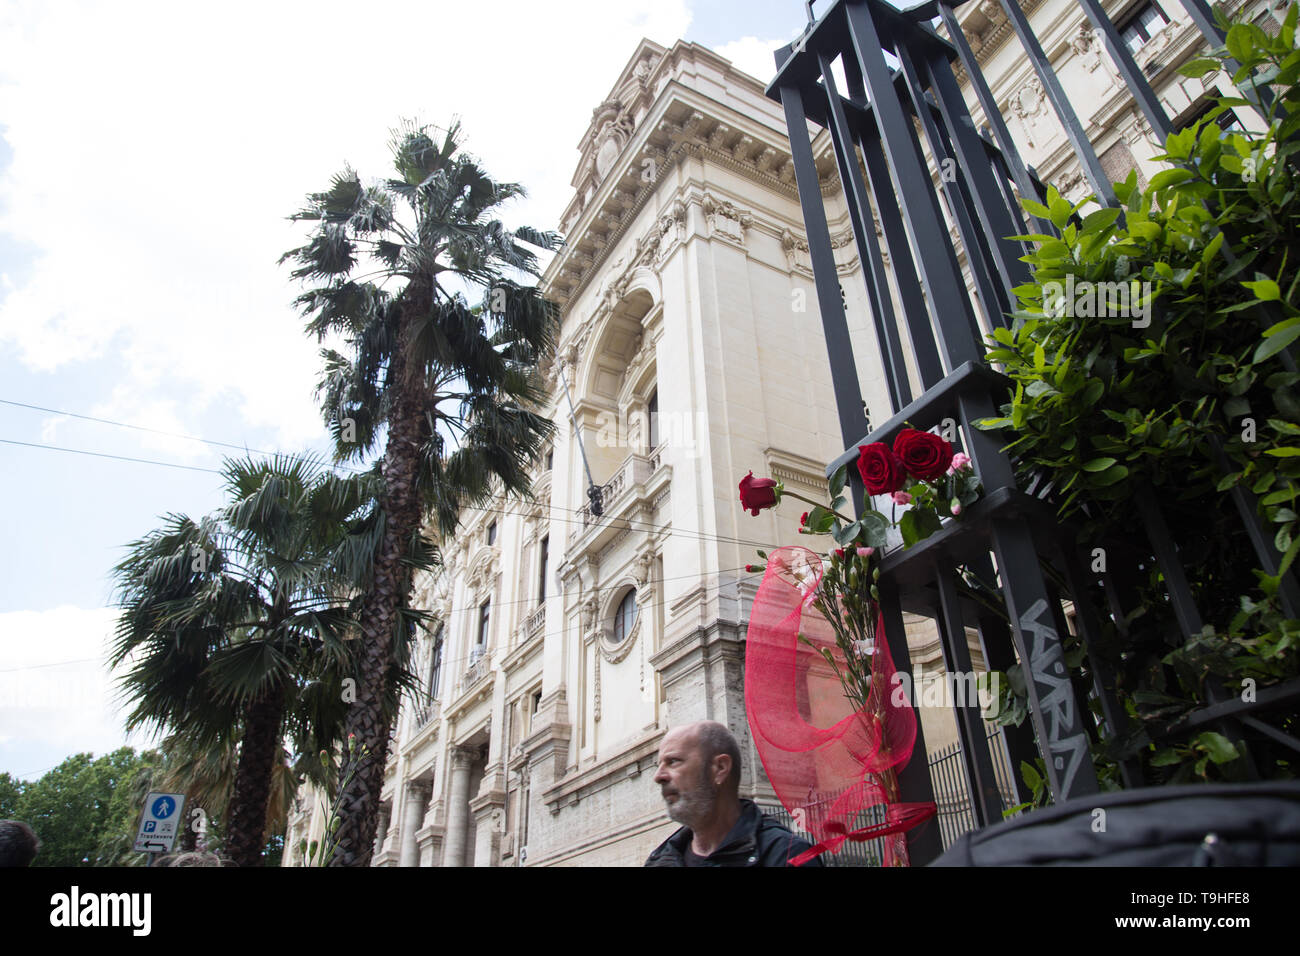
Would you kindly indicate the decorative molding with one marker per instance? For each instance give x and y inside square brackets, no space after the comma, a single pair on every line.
[725,220]
[792,468]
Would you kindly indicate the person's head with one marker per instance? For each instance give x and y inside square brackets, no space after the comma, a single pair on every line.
[18,843]
[699,764]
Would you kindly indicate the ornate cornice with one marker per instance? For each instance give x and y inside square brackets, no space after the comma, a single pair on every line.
[707,136]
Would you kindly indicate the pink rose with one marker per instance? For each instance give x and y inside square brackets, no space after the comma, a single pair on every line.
[960,461]
[902,498]
[956,508]
[866,552]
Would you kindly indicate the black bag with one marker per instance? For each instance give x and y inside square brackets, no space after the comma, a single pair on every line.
[1256,824]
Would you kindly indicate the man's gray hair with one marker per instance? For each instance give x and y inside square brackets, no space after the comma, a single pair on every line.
[716,739]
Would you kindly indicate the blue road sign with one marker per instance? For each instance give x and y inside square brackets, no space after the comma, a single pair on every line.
[162,807]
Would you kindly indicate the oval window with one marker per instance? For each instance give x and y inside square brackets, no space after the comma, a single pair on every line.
[625,617]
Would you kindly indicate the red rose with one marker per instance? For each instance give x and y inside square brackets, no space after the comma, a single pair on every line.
[757,493]
[923,454]
[880,468]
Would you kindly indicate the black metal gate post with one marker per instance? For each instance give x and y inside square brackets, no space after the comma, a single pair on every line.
[986,800]
[924,843]
[844,373]
[1061,104]
[1261,97]
[860,31]
[1019,170]
[924,348]
[864,235]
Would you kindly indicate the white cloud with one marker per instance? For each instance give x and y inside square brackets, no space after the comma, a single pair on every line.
[754,56]
[158,147]
[57,697]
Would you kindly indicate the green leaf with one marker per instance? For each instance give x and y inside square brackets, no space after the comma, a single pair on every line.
[1220,748]
[819,520]
[843,536]
[1199,67]
[1277,342]
[1037,210]
[1169,177]
[839,480]
[1166,758]
[1060,209]
[1098,464]
[1099,220]
[1236,407]
[1238,42]
[1030,776]
[1265,290]
[875,528]
[1286,452]
[1111,475]
[1289,557]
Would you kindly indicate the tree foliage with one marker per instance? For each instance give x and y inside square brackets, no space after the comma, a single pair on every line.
[437,335]
[1189,393]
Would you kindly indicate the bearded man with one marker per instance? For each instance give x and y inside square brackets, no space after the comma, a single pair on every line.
[699,779]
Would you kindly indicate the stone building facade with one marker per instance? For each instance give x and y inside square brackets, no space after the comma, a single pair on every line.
[691,352]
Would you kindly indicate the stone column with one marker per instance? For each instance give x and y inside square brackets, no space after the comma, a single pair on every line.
[457,837]
[417,794]
[381,834]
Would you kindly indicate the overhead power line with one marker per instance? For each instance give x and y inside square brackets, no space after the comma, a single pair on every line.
[157,431]
[622,524]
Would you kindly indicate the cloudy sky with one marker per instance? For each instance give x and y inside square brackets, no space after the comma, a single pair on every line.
[149,156]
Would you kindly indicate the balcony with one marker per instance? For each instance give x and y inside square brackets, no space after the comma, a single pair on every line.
[637,481]
[535,622]
[479,668]
[426,714]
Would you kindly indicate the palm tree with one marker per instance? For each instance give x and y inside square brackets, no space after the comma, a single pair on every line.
[237,625]
[446,385]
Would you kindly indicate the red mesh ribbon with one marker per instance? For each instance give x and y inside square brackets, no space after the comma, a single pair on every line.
[828,762]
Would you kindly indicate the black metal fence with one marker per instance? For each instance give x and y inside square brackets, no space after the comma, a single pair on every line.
[952,795]
[902,86]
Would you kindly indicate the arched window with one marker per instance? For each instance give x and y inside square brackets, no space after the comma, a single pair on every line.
[625,616]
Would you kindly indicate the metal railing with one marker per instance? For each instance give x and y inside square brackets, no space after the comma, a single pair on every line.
[930,313]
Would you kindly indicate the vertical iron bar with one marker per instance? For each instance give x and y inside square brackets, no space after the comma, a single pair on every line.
[914,784]
[1003,177]
[986,289]
[864,233]
[1270,561]
[1061,103]
[920,331]
[949,306]
[1261,97]
[985,799]
[844,373]
[1181,599]
[1052,705]
[974,164]
[992,113]
[1131,73]
[1081,688]
[999,655]
[1103,676]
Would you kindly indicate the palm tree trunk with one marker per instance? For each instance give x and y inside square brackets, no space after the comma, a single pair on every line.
[363,767]
[252,790]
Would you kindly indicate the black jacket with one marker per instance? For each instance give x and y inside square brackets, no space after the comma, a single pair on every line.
[755,840]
